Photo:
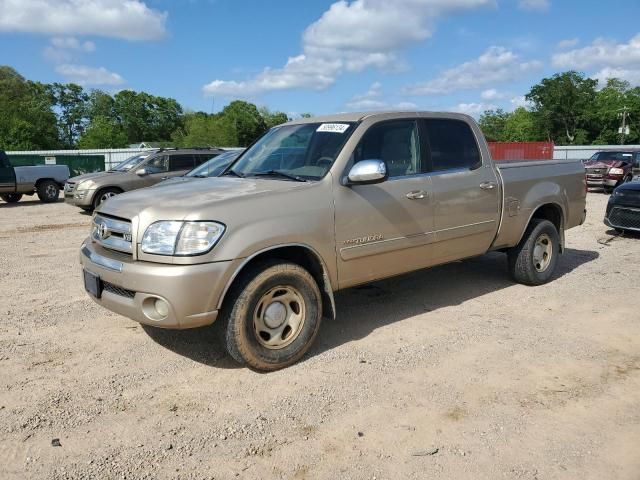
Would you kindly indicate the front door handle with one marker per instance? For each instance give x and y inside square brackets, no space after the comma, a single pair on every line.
[488,185]
[416,195]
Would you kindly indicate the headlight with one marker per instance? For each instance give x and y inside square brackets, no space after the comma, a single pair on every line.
[616,171]
[83,185]
[181,238]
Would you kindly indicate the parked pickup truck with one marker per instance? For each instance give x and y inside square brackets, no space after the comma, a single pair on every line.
[609,168]
[319,205]
[45,180]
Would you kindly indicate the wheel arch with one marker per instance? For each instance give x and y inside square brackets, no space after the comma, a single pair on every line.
[300,254]
[553,213]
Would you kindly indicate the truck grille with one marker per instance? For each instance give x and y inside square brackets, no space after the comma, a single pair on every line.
[112,233]
[69,187]
[625,218]
[123,292]
[596,171]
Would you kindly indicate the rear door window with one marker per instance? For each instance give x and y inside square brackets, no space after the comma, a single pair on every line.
[181,162]
[451,145]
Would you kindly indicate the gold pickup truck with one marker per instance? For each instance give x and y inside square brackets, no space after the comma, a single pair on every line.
[318,205]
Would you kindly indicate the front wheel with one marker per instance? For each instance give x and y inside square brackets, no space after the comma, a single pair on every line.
[104,195]
[534,260]
[11,197]
[48,191]
[273,316]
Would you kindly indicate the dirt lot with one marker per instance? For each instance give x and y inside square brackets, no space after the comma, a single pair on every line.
[452,373]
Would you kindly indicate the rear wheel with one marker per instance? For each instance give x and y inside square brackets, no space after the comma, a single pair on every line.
[48,191]
[272,316]
[11,197]
[104,195]
[535,258]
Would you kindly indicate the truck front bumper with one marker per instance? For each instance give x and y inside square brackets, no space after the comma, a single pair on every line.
[82,199]
[160,295]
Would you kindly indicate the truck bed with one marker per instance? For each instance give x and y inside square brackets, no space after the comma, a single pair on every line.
[525,183]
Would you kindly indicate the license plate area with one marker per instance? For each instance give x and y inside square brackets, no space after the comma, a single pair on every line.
[92,284]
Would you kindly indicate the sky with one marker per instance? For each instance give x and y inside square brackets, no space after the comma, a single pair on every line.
[322,56]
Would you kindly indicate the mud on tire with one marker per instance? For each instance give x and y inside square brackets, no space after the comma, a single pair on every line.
[265,298]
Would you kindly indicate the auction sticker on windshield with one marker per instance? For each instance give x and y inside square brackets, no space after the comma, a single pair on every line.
[333,127]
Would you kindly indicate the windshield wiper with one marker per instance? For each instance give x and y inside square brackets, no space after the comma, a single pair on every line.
[280,173]
[231,171]
[199,176]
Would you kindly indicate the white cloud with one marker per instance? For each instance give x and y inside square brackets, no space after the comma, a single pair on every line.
[568,43]
[84,75]
[125,19]
[630,75]
[372,100]
[536,5]
[473,109]
[496,65]
[72,43]
[64,49]
[349,37]
[601,53]
[520,101]
[492,94]
[608,58]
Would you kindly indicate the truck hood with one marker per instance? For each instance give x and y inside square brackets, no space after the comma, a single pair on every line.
[93,176]
[604,164]
[197,200]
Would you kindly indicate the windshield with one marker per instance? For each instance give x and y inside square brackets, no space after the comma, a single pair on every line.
[129,163]
[216,165]
[306,151]
[621,156]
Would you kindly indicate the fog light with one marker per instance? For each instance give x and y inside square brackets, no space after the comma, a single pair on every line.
[162,308]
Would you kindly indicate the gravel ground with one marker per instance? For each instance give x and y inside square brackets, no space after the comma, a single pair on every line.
[451,373]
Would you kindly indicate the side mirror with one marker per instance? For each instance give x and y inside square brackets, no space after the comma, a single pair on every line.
[367,172]
[141,172]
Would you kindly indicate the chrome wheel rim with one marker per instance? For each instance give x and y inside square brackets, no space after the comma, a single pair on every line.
[106,196]
[278,317]
[51,191]
[542,253]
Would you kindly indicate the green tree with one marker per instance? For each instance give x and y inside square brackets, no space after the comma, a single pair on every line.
[492,123]
[27,121]
[520,126]
[561,107]
[272,119]
[201,129]
[103,132]
[246,121]
[71,103]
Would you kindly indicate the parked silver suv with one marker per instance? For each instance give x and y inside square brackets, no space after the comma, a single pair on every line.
[90,190]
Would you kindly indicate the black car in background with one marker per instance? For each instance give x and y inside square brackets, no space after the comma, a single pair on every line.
[623,209]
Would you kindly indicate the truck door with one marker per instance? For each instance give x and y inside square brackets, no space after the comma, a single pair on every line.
[466,190]
[7,175]
[384,229]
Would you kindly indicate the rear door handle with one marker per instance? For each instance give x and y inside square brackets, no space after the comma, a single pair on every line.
[488,185]
[416,195]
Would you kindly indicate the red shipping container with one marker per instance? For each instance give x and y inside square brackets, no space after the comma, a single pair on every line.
[501,151]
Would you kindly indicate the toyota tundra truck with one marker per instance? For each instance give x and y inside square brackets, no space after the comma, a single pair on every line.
[319,205]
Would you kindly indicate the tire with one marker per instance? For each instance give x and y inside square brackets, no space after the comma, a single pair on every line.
[253,312]
[11,197]
[48,191]
[527,261]
[627,179]
[104,195]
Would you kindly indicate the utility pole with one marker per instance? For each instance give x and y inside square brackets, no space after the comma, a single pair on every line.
[624,128]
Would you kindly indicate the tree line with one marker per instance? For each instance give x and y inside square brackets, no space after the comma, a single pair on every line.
[37,116]
[567,109]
